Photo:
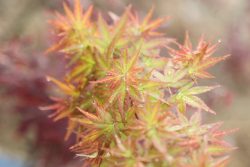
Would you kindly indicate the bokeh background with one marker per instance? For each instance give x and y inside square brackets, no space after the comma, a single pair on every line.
[29,139]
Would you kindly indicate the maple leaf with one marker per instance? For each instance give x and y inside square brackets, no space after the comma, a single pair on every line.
[66,88]
[99,124]
[123,78]
[125,154]
[171,77]
[192,134]
[98,130]
[196,61]
[84,64]
[151,121]
[61,109]
[191,130]
[145,27]
[64,108]
[186,95]
[109,41]
[73,28]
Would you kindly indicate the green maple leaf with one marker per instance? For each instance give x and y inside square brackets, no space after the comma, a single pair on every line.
[186,96]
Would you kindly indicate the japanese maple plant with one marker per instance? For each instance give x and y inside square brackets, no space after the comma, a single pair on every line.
[128,104]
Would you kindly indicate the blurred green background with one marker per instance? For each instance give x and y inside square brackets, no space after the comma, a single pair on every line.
[24,35]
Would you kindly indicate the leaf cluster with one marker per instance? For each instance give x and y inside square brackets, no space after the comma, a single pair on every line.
[126,103]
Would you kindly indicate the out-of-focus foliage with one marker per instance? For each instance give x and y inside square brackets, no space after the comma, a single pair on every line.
[128,105]
[22,71]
